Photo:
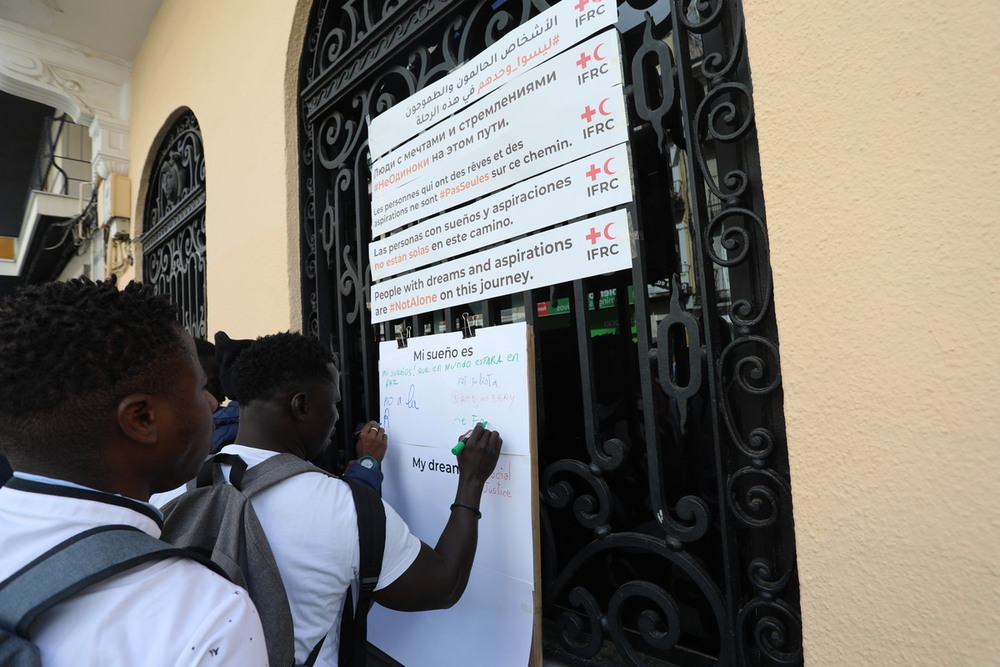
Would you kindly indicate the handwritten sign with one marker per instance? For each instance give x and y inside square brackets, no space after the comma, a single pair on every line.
[593,183]
[601,244]
[548,116]
[432,391]
[527,46]
[463,378]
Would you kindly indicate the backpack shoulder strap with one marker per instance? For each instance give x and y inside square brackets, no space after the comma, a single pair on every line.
[269,472]
[265,474]
[211,471]
[371,540]
[371,533]
[75,564]
[218,519]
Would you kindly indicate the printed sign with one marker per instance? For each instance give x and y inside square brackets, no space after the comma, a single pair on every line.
[568,108]
[527,46]
[601,244]
[594,183]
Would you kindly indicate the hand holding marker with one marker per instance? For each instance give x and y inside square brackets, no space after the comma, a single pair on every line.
[461,443]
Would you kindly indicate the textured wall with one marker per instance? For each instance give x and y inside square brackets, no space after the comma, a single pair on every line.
[227,61]
[879,145]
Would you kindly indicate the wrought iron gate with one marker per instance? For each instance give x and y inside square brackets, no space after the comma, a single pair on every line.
[174,237]
[666,499]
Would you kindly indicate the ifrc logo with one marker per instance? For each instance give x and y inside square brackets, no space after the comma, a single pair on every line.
[589,113]
[604,249]
[603,184]
[593,64]
[596,125]
[587,14]
[596,170]
[596,56]
[595,235]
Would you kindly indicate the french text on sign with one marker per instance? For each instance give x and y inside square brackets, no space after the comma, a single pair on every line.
[598,181]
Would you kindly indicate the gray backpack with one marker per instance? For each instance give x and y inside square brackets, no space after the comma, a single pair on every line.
[63,571]
[216,519]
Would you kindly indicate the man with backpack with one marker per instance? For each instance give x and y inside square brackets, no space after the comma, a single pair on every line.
[102,403]
[316,525]
[370,439]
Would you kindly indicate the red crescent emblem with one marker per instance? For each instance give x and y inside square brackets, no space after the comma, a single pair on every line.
[607,235]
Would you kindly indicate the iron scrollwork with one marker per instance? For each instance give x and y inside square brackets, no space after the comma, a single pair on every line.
[666,499]
[174,253]
[728,219]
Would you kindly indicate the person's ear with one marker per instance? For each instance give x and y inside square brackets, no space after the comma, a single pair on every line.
[299,406]
[137,418]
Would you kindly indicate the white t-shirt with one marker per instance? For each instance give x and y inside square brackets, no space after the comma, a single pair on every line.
[173,612]
[311,526]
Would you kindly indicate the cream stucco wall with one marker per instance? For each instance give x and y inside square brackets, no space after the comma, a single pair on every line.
[879,150]
[228,61]
[878,129]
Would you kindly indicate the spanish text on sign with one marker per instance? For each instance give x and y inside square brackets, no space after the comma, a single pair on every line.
[601,244]
[592,183]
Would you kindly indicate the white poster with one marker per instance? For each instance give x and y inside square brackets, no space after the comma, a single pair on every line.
[596,182]
[544,118]
[601,244]
[432,391]
[526,46]
[459,382]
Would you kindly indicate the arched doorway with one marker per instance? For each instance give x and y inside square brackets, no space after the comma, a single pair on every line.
[174,236]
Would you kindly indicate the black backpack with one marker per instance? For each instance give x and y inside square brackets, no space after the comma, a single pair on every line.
[216,519]
[63,571]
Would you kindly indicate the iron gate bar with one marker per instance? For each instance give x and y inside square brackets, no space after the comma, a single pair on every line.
[706,333]
[739,192]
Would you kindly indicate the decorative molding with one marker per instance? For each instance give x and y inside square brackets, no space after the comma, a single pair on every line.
[89,86]
[109,147]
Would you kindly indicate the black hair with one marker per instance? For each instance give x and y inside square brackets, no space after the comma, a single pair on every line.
[227,352]
[208,357]
[69,352]
[206,349]
[271,363]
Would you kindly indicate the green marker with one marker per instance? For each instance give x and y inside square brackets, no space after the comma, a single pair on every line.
[461,443]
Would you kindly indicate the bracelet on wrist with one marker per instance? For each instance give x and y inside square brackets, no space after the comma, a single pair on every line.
[479,515]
